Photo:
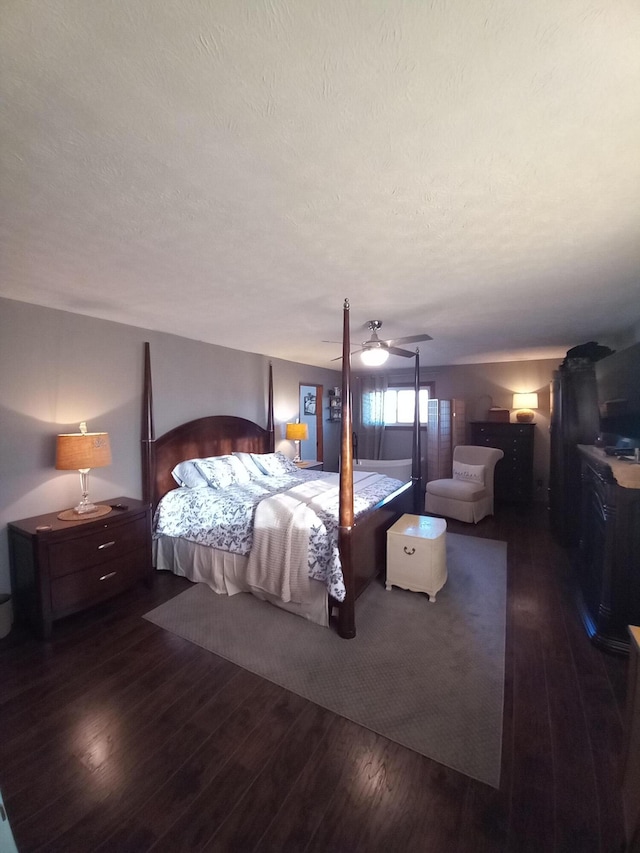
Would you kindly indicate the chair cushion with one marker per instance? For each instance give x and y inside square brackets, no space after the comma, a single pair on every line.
[457,490]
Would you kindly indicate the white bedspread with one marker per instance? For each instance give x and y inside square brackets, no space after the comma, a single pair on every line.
[279,562]
[224,518]
[279,559]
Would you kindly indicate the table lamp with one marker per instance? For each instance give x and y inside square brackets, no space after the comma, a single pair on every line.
[297,432]
[81,451]
[525,403]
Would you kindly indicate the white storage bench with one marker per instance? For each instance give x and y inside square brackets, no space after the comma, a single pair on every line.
[416,554]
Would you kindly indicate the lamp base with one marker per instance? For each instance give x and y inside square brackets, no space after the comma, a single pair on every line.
[72,515]
[525,416]
[85,508]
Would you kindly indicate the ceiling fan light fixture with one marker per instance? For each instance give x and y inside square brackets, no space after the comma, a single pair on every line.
[374,356]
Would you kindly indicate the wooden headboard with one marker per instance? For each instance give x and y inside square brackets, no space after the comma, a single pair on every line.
[215,435]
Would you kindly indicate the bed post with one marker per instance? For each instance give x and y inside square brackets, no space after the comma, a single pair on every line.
[270,426]
[346,610]
[148,436]
[416,464]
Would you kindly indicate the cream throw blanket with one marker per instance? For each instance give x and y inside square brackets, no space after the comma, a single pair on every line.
[279,560]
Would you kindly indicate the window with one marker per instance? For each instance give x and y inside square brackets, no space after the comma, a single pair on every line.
[399,404]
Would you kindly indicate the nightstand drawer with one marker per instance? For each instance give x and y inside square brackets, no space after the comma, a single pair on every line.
[71,592]
[100,546]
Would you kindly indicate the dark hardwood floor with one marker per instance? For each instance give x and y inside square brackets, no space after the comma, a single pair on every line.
[117,736]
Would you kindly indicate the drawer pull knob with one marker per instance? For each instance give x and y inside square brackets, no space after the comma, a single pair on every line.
[106,545]
[409,551]
[106,577]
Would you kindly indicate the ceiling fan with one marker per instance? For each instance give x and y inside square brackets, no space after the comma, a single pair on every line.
[375,351]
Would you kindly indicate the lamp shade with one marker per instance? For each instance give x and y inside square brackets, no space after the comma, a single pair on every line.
[297,432]
[76,451]
[525,401]
[374,356]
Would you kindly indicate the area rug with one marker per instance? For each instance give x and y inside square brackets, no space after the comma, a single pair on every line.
[429,676]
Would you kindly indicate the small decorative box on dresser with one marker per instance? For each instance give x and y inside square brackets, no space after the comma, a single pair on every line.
[513,481]
[61,567]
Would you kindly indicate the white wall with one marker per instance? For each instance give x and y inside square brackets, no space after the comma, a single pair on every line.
[59,368]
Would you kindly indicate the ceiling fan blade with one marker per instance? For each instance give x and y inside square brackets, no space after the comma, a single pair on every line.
[339,358]
[395,351]
[408,340]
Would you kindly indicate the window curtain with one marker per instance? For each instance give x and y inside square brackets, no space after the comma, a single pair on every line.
[370,420]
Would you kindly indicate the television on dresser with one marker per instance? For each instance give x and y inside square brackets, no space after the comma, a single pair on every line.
[618,388]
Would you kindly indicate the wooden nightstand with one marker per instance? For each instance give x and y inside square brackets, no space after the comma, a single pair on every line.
[61,567]
[310,465]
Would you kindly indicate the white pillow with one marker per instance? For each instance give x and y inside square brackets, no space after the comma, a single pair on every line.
[222,471]
[274,463]
[470,473]
[249,464]
[186,474]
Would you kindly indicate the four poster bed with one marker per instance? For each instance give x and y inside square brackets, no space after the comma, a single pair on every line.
[337,530]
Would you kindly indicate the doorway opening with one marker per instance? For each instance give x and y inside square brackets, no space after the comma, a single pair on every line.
[311,414]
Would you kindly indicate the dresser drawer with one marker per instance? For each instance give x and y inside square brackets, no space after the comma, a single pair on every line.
[483,439]
[97,583]
[111,541]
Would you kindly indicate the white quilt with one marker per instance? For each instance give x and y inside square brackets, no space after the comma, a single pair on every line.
[224,518]
[279,562]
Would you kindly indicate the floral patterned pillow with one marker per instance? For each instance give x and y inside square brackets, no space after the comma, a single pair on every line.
[222,471]
[274,464]
[248,463]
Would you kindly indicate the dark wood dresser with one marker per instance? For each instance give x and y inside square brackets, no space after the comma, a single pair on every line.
[631,747]
[61,567]
[607,560]
[513,482]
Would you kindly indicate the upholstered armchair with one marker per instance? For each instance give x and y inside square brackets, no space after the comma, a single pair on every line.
[468,495]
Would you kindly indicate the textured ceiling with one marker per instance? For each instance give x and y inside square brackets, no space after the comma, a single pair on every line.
[231,170]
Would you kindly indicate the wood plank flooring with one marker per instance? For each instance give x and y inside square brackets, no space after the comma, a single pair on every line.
[117,736]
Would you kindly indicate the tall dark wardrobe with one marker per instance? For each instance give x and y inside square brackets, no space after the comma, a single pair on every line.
[594,499]
[574,420]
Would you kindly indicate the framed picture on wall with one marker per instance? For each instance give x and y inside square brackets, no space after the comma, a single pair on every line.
[309,404]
